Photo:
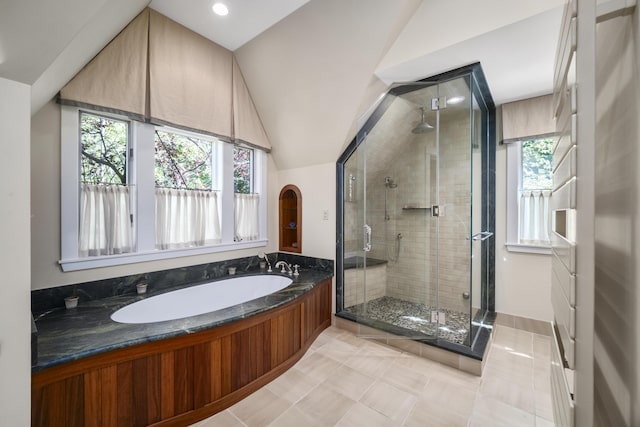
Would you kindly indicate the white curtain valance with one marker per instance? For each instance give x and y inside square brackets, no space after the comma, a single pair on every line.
[116,79]
[159,71]
[105,227]
[186,218]
[528,118]
[247,127]
[190,81]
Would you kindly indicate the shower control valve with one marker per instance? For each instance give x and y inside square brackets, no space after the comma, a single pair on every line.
[367,238]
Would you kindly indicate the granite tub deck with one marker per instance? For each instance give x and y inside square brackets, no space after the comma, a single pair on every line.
[65,335]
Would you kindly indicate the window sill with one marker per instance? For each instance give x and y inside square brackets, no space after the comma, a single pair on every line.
[531,249]
[113,260]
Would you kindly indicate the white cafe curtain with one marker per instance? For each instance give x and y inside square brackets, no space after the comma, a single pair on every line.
[186,218]
[105,225]
[246,216]
[534,217]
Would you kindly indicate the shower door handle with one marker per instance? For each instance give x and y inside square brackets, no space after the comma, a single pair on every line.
[367,238]
[482,236]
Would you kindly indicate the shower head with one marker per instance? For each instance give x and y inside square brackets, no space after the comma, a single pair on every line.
[423,127]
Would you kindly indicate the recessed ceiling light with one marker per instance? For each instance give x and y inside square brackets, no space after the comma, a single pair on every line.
[220,9]
[455,100]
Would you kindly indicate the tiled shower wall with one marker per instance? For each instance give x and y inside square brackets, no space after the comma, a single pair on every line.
[376,284]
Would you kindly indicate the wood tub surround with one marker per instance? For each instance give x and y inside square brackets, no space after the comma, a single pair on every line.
[184,379]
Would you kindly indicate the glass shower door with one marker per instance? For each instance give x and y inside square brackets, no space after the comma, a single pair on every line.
[454,210]
[355,255]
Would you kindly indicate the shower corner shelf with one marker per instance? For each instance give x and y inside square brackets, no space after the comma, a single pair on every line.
[415,208]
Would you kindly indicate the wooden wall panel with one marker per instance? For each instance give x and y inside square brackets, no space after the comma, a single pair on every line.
[201,374]
[93,398]
[167,366]
[154,388]
[264,342]
[240,361]
[124,382]
[51,406]
[109,395]
[139,395]
[74,396]
[226,364]
[181,380]
[216,369]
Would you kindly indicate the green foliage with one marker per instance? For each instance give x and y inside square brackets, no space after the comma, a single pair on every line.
[537,159]
[242,169]
[104,150]
[183,162]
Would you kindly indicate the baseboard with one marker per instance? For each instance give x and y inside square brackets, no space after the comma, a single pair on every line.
[530,325]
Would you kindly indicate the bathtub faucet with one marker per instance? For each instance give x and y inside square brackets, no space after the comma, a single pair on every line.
[282,265]
[263,256]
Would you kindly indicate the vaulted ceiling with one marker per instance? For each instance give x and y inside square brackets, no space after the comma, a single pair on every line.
[313,67]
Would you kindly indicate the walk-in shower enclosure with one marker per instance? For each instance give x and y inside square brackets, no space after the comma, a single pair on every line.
[416,187]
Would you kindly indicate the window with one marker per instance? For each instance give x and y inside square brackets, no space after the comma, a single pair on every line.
[105,226]
[246,202]
[134,192]
[186,203]
[529,189]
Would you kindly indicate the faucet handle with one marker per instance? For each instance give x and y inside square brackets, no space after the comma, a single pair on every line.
[295,270]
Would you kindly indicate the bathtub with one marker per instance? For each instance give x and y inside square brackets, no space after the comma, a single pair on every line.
[200,299]
[174,372]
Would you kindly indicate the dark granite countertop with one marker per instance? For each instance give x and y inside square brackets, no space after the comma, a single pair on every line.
[66,335]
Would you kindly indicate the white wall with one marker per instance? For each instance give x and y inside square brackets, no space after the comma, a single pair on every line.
[318,187]
[523,281]
[439,24]
[45,210]
[308,73]
[15,320]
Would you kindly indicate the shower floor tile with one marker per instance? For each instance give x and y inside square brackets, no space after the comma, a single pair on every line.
[415,317]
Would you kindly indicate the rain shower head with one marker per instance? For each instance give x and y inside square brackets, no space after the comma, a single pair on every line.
[423,127]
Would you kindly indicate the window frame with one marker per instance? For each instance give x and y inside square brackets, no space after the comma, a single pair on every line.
[143,200]
[514,183]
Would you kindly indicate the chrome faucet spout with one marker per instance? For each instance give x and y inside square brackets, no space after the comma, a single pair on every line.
[282,265]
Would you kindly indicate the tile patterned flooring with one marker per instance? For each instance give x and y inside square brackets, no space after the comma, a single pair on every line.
[347,381]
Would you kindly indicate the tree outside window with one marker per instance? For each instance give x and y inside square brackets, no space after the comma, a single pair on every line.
[104,150]
[537,158]
[183,162]
[242,169]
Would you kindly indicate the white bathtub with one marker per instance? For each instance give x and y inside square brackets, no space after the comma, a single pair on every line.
[200,299]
